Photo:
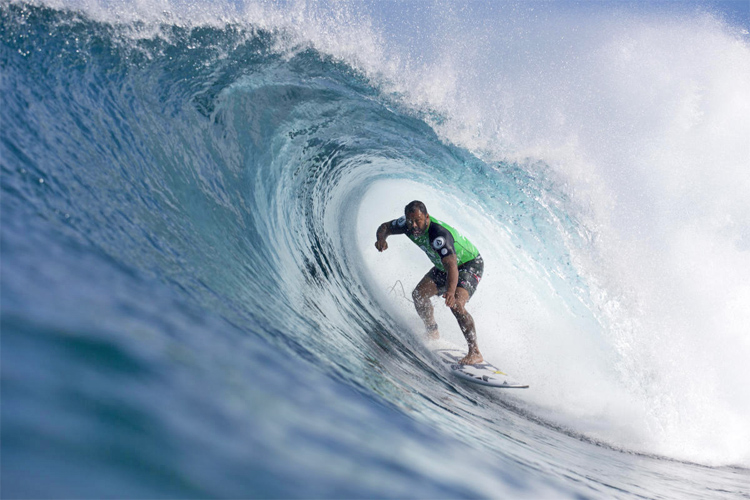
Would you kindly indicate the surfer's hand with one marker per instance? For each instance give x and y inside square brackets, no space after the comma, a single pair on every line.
[381,245]
[450,299]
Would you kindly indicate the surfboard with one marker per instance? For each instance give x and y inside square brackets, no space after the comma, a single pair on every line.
[482,373]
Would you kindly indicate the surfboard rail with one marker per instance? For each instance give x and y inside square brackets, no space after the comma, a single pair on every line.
[484,373]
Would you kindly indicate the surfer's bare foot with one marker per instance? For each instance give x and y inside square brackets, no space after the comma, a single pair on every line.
[472,358]
[433,333]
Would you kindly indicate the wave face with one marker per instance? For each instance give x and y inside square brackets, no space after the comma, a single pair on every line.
[192,305]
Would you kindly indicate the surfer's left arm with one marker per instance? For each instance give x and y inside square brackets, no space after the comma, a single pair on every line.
[451,268]
[396,226]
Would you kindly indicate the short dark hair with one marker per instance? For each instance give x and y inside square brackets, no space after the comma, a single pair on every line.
[414,206]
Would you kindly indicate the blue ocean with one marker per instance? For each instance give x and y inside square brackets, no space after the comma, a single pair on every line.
[192,305]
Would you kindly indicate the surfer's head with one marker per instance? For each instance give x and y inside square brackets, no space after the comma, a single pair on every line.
[417,218]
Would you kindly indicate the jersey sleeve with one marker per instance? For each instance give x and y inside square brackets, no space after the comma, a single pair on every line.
[442,241]
[398,226]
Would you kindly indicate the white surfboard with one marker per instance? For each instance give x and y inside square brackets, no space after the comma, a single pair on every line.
[482,373]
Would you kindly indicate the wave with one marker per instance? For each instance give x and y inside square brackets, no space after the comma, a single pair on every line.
[194,191]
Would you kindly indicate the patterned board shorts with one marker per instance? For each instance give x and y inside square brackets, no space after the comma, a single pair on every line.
[469,275]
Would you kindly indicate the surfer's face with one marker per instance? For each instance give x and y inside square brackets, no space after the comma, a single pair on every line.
[417,222]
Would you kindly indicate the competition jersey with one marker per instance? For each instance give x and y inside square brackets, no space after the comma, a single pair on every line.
[440,240]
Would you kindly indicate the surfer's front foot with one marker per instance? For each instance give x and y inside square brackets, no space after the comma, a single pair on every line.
[472,358]
[433,333]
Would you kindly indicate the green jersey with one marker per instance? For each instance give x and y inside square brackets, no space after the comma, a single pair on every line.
[439,241]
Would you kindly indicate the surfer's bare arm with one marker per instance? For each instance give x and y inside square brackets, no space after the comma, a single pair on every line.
[384,231]
[451,268]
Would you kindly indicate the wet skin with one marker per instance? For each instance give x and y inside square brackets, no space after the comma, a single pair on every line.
[455,297]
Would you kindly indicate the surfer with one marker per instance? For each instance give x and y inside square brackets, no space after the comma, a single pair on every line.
[456,273]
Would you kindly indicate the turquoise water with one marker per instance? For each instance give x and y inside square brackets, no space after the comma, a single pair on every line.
[192,305]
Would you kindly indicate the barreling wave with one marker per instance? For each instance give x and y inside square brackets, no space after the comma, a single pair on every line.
[189,211]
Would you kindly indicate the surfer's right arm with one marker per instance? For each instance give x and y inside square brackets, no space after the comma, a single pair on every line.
[384,231]
[396,226]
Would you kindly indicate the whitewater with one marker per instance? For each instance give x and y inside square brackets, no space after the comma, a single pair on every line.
[192,305]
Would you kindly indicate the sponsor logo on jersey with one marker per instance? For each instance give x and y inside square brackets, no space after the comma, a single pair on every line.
[400,222]
[438,243]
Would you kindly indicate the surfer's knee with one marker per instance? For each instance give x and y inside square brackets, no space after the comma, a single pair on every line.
[418,297]
[459,310]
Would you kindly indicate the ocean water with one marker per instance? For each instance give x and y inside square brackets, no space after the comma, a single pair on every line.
[192,305]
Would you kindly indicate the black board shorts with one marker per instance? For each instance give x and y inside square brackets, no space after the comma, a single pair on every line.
[469,275]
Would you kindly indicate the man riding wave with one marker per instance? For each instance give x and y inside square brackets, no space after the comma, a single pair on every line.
[456,273]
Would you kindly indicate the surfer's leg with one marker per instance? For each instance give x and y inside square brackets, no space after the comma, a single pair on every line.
[425,290]
[466,323]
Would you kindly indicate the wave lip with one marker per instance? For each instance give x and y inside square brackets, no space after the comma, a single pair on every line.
[211,190]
